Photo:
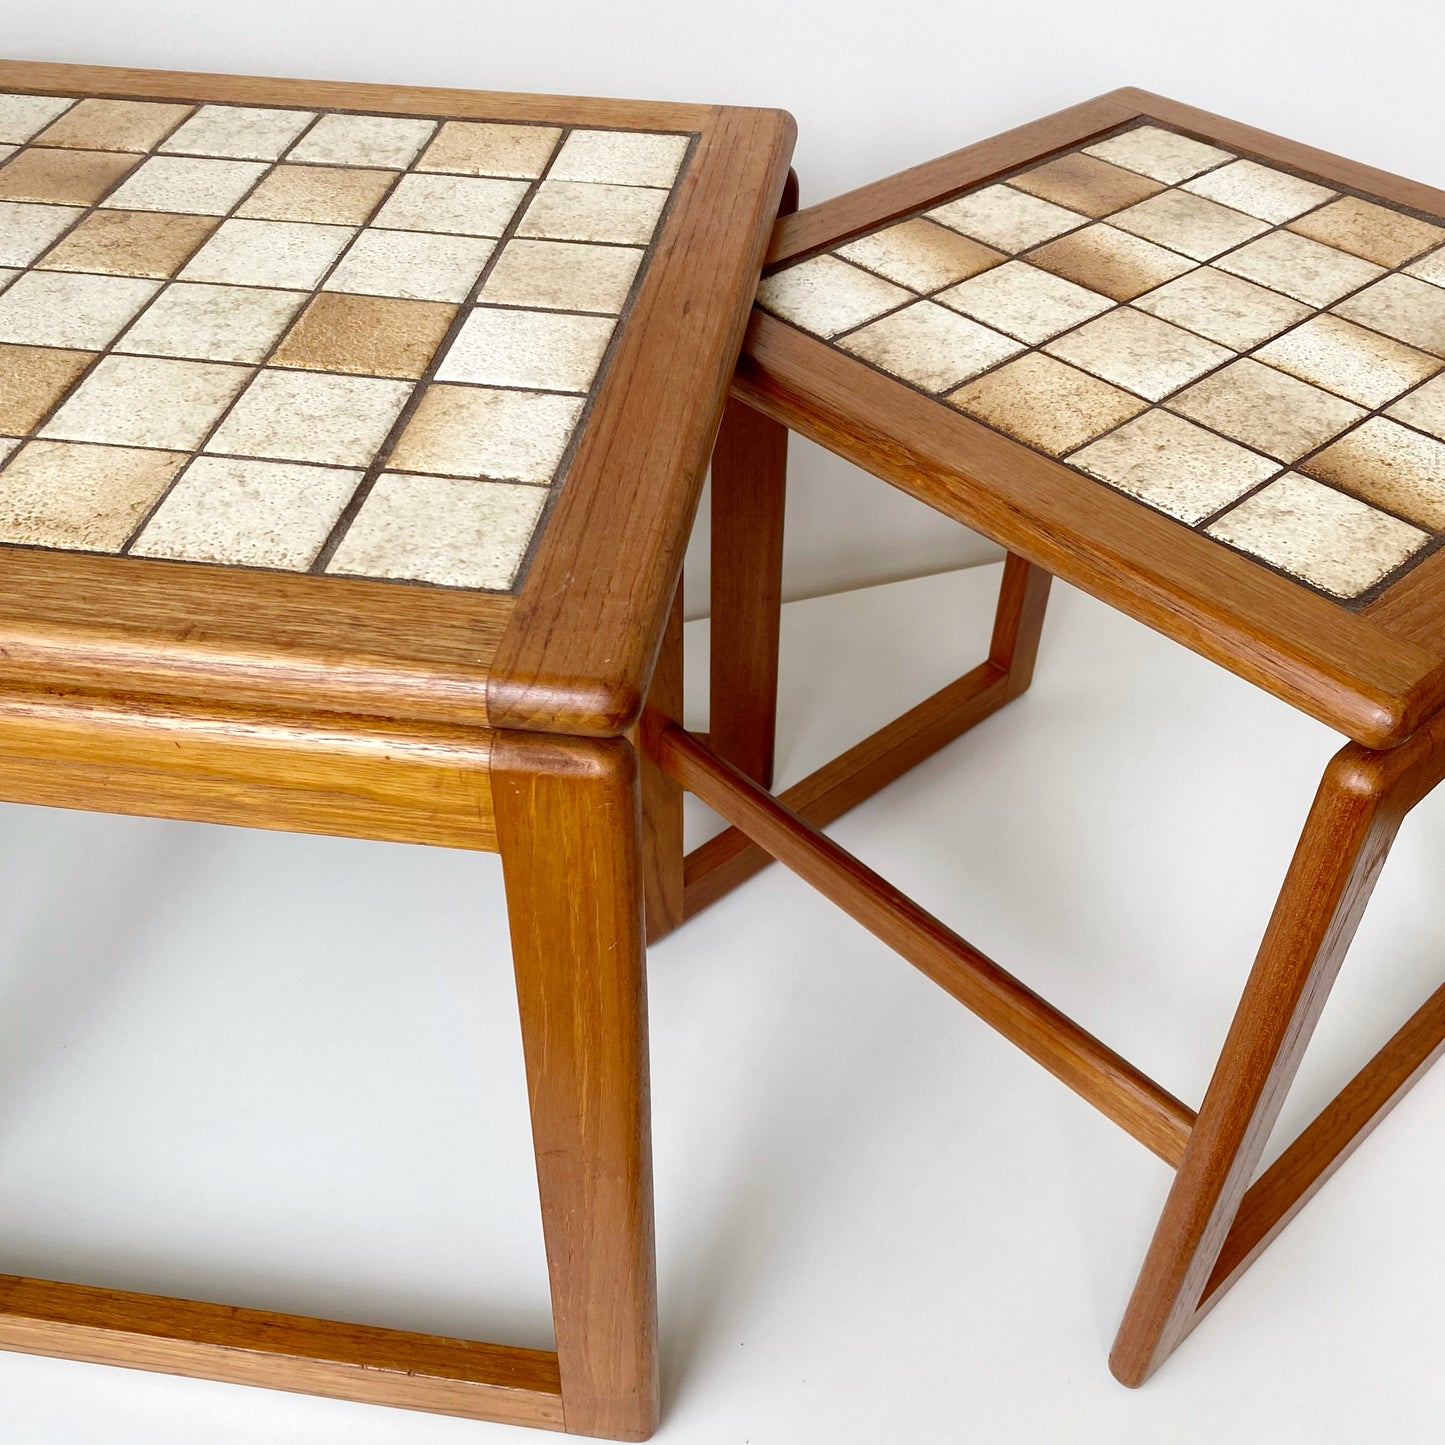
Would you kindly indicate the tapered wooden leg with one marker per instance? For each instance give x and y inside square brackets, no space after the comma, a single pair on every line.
[661,797]
[1018,624]
[568,824]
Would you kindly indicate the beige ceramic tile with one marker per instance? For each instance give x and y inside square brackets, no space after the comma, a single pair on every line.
[7,445]
[305,416]
[537,350]
[6,151]
[582,211]
[7,275]
[1158,153]
[1007,219]
[1299,267]
[26,229]
[930,346]
[1409,310]
[1424,408]
[60,494]
[1266,410]
[332,195]
[144,401]
[1390,465]
[32,380]
[366,335]
[1085,183]
[130,243]
[620,158]
[485,148]
[180,183]
[1046,404]
[1188,224]
[1174,465]
[75,178]
[1362,228]
[248,514]
[287,254]
[562,276]
[1335,542]
[1025,302]
[411,265]
[826,296]
[211,323]
[22,116]
[239,132]
[1111,262]
[1139,352]
[920,255]
[1430,268]
[457,205]
[114,125]
[471,431]
[363,140]
[1273,196]
[52,308]
[1361,365]
[1227,309]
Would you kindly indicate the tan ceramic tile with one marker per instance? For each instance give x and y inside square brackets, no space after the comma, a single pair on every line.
[457,205]
[620,158]
[930,346]
[60,494]
[1025,302]
[1188,224]
[562,276]
[114,125]
[1158,153]
[1173,465]
[1389,465]
[1409,310]
[411,265]
[1299,267]
[826,296]
[76,178]
[1007,219]
[1085,183]
[248,513]
[305,416]
[1110,261]
[1224,308]
[1361,365]
[1257,190]
[1266,410]
[330,195]
[130,243]
[364,140]
[52,308]
[484,148]
[456,533]
[286,254]
[211,323]
[367,335]
[1046,404]
[1138,352]
[1335,542]
[32,380]
[538,350]
[920,255]
[582,211]
[239,132]
[1423,408]
[1362,228]
[472,431]
[145,401]
[22,116]
[1430,268]
[180,183]
[27,229]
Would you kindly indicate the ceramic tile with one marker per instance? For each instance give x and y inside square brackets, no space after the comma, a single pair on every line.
[1188,224]
[1139,352]
[1361,365]
[1085,183]
[248,513]
[1335,542]
[190,186]
[1273,196]
[471,431]
[457,205]
[930,346]
[1430,268]
[1409,310]
[114,125]
[60,494]
[243,133]
[287,254]
[1025,302]
[538,350]
[46,308]
[484,148]
[7,275]
[1362,228]
[7,445]
[26,229]
[1223,308]
[331,195]
[22,116]
[826,296]
[366,335]
[211,323]
[620,158]
[130,243]
[32,380]
[1007,219]
[144,401]
[1266,409]
[304,416]
[1299,267]
[410,265]
[1390,465]
[6,152]
[1110,261]
[920,255]
[363,140]
[1423,408]
[440,529]
[75,178]
[562,276]
[583,211]
[1174,465]
[1046,404]
[1159,154]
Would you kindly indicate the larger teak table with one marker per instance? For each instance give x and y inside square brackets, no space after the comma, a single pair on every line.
[349,441]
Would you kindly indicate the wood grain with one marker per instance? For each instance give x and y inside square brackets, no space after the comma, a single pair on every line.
[662,846]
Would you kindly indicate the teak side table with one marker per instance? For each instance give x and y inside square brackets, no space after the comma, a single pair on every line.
[1199,372]
[350,437]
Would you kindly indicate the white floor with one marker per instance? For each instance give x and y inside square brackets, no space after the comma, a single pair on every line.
[284,1072]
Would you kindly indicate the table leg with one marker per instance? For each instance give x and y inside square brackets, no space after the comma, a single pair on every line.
[662,880]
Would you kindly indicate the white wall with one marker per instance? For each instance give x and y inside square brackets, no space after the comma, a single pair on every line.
[874,87]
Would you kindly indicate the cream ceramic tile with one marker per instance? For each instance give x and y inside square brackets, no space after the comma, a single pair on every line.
[286,254]
[930,346]
[1085,183]
[190,186]
[51,308]
[486,148]
[7,275]
[1361,365]
[442,530]
[32,380]
[22,116]
[1227,309]
[1110,261]
[239,132]
[1423,408]
[1161,154]
[6,152]
[620,158]
[1139,352]
[27,230]
[583,211]
[305,416]
[1362,228]
[248,514]
[1389,465]
[826,296]
[1266,410]
[331,195]
[211,323]
[1335,542]
[1409,310]
[114,125]
[1188,224]
[457,205]
[471,431]
[364,140]
[411,265]
[538,350]
[1299,267]
[130,243]
[7,445]
[1430,268]
[144,401]
[562,276]
[1173,465]
[1273,196]
[1025,302]
[920,255]
[1005,218]
[75,178]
